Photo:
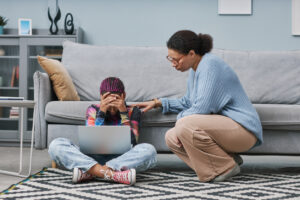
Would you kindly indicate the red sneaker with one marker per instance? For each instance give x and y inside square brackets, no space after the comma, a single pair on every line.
[126,177]
[79,176]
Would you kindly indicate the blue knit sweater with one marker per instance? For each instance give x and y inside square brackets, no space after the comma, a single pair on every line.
[215,89]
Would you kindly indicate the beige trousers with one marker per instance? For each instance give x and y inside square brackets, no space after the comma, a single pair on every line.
[207,142]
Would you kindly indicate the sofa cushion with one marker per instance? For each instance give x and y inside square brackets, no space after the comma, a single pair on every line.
[273,116]
[60,78]
[269,77]
[145,71]
[73,112]
[279,116]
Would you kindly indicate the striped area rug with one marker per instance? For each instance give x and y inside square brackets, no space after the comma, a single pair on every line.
[56,184]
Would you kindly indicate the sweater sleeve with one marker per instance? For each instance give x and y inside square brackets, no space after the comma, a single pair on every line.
[100,118]
[174,105]
[124,118]
[94,118]
[210,96]
[135,119]
[90,116]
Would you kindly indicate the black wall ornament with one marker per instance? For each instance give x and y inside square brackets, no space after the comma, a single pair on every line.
[54,29]
[69,25]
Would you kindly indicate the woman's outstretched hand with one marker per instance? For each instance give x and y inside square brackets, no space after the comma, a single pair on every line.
[145,106]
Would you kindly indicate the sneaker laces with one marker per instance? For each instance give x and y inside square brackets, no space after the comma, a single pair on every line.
[85,176]
[80,176]
[121,177]
[105,173]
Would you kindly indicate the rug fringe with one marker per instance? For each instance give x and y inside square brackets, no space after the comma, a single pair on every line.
[23,181]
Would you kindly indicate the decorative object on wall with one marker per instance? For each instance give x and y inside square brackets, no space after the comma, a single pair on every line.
[24,26]
[235,7]
[2,52]
[296,17]
[53,27]
[3,22]
[69,25]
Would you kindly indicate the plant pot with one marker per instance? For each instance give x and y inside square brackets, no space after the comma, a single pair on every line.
[1,30]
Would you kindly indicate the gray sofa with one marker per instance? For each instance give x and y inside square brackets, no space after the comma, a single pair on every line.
[270,78]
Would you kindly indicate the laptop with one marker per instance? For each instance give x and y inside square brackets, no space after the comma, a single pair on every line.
[104,139]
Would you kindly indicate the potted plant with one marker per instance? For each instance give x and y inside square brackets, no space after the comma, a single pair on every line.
[3,22]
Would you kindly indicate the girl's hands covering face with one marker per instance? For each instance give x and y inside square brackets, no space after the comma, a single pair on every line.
[118,102]
[112,102]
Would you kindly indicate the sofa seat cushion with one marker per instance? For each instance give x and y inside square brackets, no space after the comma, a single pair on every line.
[73,112]
[67,112]
[272,116]
[279,116]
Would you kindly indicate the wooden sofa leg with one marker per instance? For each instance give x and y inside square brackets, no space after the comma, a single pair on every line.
[53,164]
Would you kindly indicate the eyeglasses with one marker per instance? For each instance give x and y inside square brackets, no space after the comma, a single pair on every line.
[173,60]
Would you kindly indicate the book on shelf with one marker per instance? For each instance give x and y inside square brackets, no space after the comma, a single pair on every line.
[14,81]
[11,98]
[14,113]
[17,76]
[53,51]
[53,54]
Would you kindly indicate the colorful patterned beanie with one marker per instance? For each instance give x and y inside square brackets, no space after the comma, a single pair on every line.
[112,85]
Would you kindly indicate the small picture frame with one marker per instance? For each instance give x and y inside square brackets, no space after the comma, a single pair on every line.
[24,26]
[235,7]
[295,17]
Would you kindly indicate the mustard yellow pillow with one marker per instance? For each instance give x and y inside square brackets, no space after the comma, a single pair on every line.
[61,80]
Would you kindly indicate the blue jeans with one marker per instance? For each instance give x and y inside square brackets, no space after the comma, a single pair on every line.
[141,157]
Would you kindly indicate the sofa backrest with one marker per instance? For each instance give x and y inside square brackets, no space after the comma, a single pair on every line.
[145,71]
[267,76]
